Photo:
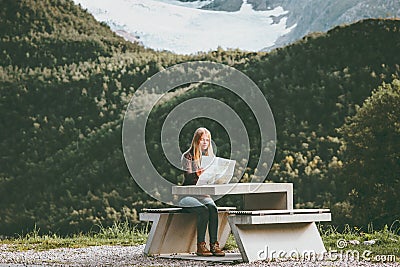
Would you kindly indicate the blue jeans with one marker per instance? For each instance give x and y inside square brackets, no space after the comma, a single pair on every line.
[206,212]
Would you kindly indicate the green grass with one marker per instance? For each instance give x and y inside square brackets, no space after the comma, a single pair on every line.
[387,240]
[230,243]
[120,233]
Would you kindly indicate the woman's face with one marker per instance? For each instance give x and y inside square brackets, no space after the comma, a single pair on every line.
[204,142]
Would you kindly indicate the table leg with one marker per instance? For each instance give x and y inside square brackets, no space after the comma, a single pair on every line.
[268,241]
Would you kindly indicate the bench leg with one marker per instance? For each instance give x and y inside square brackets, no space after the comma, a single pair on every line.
[268,241]
[177,233]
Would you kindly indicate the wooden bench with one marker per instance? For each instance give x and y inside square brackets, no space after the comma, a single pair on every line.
[268,234]
[174,231]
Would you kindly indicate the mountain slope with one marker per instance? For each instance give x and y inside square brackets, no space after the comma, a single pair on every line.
[65,81]
[312,86]
[58,87]
[61,162]
[315,15]
[322,15]
[49,33]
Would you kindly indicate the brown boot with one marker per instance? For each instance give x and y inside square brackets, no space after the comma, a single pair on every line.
[215,250]
[202,249]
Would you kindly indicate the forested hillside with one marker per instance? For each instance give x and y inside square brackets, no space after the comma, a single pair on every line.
[312,86]
[66,81]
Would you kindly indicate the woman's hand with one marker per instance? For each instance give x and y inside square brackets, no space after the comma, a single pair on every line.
[199,172]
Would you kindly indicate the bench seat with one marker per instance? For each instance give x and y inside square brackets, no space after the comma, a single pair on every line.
[280,216]
[177,210]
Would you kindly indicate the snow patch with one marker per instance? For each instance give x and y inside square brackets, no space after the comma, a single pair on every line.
[184,29]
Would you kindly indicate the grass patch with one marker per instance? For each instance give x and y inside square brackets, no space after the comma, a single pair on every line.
[120,233]
[375,244]
[230,243]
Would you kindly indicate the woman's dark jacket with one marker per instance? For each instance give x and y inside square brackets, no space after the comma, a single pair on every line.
[190,168]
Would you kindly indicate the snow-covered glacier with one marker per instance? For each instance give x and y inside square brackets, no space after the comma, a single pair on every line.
[183,28]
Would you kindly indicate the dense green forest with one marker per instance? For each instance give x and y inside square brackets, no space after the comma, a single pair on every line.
[66,81]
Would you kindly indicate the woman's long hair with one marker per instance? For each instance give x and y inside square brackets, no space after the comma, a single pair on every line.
[195,146]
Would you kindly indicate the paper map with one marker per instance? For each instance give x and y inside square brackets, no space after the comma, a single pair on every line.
[216,170]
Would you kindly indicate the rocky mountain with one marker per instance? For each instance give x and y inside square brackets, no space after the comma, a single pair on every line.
[316,15]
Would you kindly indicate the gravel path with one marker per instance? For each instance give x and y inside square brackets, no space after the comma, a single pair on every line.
[133,256]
